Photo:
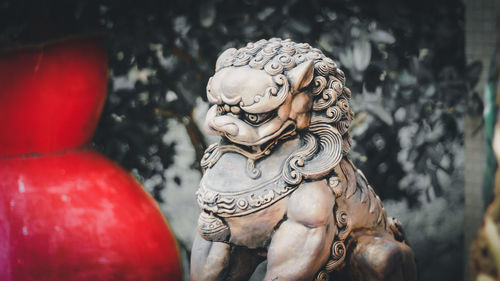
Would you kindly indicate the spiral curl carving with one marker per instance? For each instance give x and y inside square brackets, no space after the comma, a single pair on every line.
[296,161]
[241,59]
[332,80]
[321,68]
[328,97]
[338,250]
[321,159]
[269,51]
[273,67]
[330,63]
[337,86]
[288,49]
[259,61]
[253,48]
[299,58]
[343,223]
[286,61]
[343,104]
[343,126]
[281,80]
[251,170]
[337,256]
[210,157]
[322,276]
[319,83]
[342,219]
[303,47]
[334,113]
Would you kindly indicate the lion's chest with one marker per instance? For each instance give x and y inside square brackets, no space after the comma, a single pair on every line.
[250,214]
[249,206]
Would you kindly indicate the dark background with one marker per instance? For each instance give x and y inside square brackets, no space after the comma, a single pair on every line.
[404,62]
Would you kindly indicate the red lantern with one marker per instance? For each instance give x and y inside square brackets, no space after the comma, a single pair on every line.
[67,212]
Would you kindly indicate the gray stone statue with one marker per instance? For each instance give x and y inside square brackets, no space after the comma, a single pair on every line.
[279,185]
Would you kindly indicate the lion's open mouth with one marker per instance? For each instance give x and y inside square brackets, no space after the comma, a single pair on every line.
[263,146]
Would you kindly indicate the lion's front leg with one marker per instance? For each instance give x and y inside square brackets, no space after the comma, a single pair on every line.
[209,260]
[218,261]
[301,245]
[297,252]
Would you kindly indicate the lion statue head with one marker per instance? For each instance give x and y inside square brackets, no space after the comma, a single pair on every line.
[271,90]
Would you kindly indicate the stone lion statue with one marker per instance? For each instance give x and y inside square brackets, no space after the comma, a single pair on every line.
[279,185]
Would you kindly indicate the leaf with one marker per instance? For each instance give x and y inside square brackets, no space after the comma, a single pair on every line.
[381,36]
[346,58]
[362,52]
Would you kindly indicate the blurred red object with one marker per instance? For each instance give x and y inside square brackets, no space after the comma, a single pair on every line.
[67,212]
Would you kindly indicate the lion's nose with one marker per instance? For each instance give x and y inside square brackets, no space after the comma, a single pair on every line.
[225,126]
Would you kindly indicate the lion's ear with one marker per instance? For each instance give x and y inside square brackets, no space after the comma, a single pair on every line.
[301,75]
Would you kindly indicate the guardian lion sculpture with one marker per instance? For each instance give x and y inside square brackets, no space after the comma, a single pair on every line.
[279,184]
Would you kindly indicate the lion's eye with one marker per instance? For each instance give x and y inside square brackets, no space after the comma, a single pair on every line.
[256,118]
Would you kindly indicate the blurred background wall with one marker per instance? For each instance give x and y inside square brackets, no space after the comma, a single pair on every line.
[405,62]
